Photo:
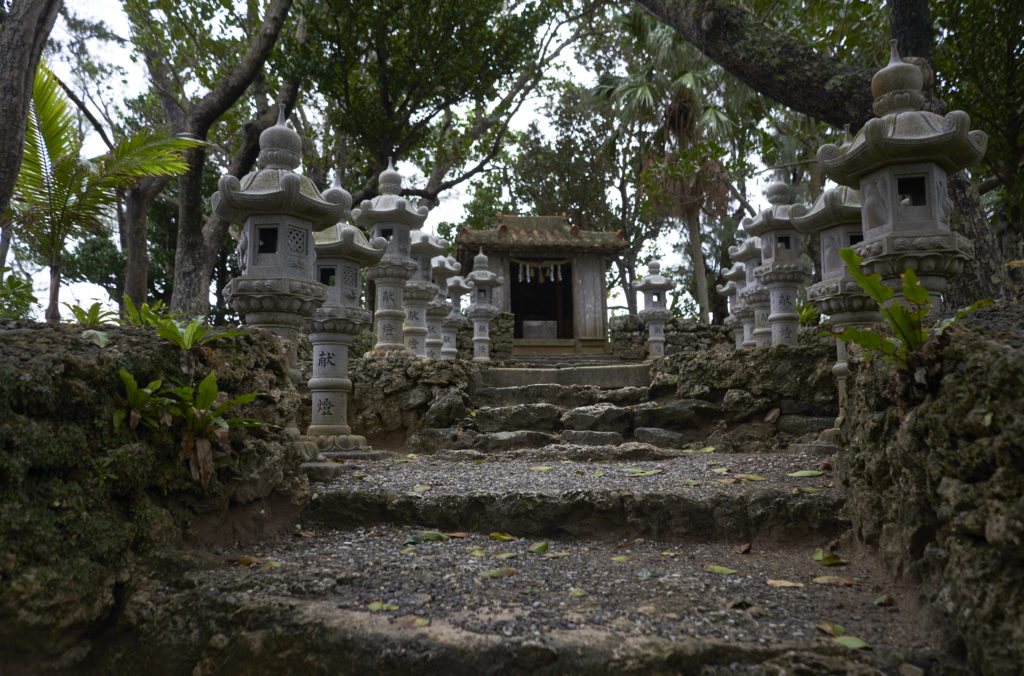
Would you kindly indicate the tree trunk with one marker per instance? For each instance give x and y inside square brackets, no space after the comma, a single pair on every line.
[133,236]
[6,230]
[986,277]
[193,264]
[700,277]
[53,307]
[910,24]
[25,27]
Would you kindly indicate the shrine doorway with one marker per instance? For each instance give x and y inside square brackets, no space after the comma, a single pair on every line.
[541,295]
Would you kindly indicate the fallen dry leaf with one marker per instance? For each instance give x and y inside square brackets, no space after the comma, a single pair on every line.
[742,549]
[784,583]
[833,579]
[303,533]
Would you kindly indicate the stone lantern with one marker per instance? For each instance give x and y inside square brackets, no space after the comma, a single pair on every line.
[341,253]
[420,290]
[782,269]
[735,278]
[655,313]
[450,325]
[279,210]
[441,269]
[754,302]
[392,218]
[835,217]
[900,161]
[481,306]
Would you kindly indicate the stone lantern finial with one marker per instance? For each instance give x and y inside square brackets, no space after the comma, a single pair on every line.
[390,181]
[779,193]
[898,86]
[338,195]
[280,146]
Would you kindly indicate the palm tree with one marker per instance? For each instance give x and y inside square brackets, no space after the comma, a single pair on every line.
[59,195]
[662,86]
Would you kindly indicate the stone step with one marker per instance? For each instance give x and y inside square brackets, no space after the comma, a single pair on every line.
[685,496]
[592,606]
[620,375]
[563,396]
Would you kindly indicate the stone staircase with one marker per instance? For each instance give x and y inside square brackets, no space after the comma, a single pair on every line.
[568,525]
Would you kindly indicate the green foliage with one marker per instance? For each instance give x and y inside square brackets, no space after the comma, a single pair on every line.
[187,336]
[58,194]
[155,315]
[147,406]
[809,314]
[94,315]
[204,423]
[201,418]
[906,320]
[16,297]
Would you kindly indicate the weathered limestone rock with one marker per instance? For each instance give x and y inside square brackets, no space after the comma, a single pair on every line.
[591,437]
[543,417]
[603,417]
[677,415]
[656,436]
[932,467]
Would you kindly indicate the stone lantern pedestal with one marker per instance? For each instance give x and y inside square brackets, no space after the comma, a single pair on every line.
[735,278]
[754,302]
[391,218]
[342,251]
[279,210]
[781,271]
[481,308]
[420,291]
[442,268]
[450,325]
[900,161]
[655,313]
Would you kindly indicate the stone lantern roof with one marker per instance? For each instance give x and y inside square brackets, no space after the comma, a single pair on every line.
[775,217]
[482,276]
[459,286]
[388,207]
[275,188]
[347,242]
[654,281]
[904,132]
[835,207]
[425,244]
[736,273]
[747,249]
[540,234]
[443,267]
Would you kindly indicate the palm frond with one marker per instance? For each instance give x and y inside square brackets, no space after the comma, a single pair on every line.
[146,153]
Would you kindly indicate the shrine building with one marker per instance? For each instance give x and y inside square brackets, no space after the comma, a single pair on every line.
[554,280]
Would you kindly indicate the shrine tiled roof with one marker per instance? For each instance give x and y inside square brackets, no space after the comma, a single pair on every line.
[540,233]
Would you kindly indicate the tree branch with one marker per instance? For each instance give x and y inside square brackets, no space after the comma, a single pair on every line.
[773,63]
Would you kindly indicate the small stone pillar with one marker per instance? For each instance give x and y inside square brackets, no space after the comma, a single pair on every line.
[899,161]
[441,269]
[754,302]
[481,307]
[390,217]
[655,313]
[279,210]
[341,253]
[782,269]
[420,291]
[450,325]
[735,278]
